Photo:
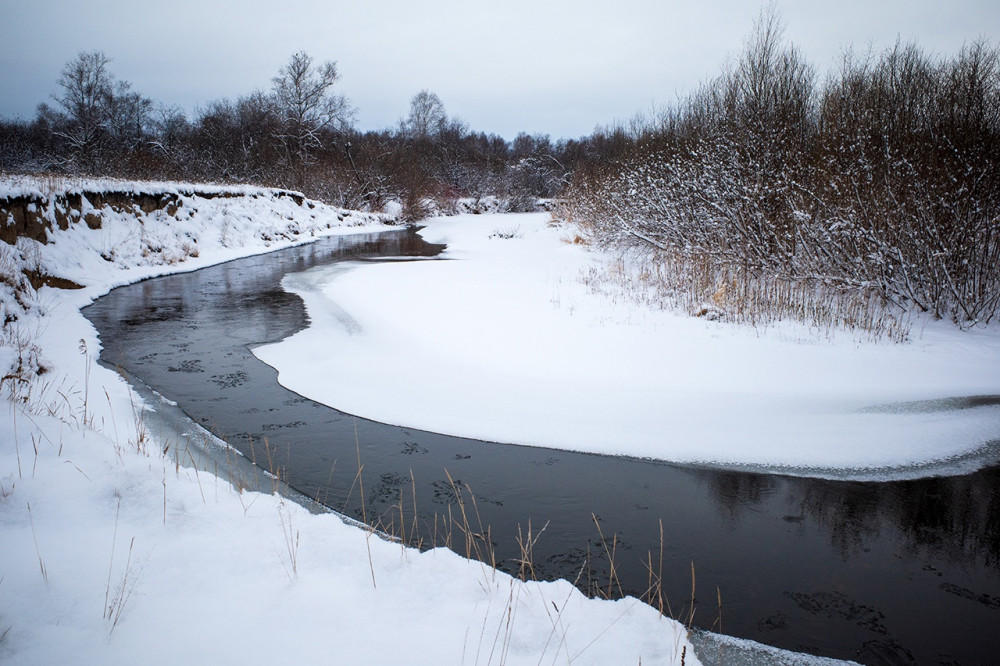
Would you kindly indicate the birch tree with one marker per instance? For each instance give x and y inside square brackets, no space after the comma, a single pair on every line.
[306,107]
[427,116]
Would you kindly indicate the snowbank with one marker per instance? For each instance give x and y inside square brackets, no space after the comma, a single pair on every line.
[43,187]
[113,553]
[507,342]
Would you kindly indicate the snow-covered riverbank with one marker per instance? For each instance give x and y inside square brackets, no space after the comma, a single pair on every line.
[508,342]
[112,553]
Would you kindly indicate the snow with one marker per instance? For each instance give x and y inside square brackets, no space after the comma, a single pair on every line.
[15,186]
[114,553]
[508,340]
[132,245]
[214,576]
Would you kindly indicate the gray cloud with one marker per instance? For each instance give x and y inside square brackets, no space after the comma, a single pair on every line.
[559,67]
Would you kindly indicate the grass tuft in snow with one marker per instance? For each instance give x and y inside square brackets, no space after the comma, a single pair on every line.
[38,551]
[114,603]
[507,233]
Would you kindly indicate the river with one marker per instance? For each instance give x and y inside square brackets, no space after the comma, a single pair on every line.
[878,572]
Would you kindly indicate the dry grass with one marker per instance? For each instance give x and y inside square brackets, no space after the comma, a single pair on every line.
[38,551]
[699,287]
[460,529]
[507,233]
[114,604]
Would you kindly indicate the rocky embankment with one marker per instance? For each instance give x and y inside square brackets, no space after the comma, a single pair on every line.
[33,214]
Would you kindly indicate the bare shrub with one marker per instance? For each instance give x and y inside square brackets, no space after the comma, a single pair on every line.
[877,193]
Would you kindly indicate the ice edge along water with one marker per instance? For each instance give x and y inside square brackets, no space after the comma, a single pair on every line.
[506,343]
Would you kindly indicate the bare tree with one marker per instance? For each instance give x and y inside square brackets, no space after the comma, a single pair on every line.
[86,85]
[306,107]
[127,116]
[168,124]
[427,116]
[240,139]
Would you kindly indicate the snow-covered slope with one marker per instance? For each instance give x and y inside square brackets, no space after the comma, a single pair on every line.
[114,554]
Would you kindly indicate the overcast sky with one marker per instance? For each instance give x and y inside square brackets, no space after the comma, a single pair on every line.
[558,67]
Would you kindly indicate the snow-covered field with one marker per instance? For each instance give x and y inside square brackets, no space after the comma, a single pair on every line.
[114,554]
[507,342]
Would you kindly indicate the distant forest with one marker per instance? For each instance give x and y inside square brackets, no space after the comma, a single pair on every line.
[298,134]
[767,193]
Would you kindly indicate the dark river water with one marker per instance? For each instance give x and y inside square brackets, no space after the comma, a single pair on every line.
[881,573]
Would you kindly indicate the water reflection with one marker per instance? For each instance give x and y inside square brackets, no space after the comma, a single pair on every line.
[901,572]
[736,492]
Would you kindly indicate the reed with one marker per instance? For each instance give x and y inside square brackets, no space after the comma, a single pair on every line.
[291,537]
[38,551]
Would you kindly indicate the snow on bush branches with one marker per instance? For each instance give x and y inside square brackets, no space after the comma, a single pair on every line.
[883,183]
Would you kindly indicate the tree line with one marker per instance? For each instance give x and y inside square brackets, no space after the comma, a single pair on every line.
[765,187]
[883,180]
[297,134]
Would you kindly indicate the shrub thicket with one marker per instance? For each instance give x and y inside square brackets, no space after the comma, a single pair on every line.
[882,181]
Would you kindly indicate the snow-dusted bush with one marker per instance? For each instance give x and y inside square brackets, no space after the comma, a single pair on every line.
[885,183]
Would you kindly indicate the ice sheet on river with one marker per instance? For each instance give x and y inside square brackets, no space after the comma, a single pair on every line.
[506,343]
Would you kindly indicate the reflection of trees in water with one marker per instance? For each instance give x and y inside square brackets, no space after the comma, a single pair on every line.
[959,516]
[255,282]
[991,533]
[848,511]
[736,492]
[956,517]
[246,294]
